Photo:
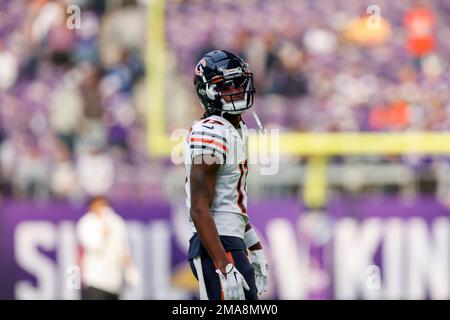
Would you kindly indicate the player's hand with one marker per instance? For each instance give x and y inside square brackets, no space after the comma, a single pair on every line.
[233,283]
[259,263]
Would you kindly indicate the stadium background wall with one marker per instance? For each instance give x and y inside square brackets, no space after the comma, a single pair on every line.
[368,248]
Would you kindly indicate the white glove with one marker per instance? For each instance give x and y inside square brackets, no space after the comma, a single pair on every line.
[259,263]
[233,283]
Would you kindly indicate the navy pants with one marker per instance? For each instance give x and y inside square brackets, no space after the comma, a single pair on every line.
[211,278]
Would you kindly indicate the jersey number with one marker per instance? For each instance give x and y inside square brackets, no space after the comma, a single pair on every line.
[242,185]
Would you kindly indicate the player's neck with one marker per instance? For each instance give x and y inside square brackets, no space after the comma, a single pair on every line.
[235,119]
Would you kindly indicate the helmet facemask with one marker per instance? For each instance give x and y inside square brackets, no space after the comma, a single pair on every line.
[240,97]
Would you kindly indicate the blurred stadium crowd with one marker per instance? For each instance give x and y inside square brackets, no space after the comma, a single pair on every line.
[70,100]
[322,66]
[73,103]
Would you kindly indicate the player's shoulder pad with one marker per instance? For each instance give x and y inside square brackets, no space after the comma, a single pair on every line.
[209,135]
[210,127]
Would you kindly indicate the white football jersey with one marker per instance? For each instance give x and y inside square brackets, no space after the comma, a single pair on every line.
[217,136]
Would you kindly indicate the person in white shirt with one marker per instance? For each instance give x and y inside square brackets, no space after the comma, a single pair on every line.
[105,260]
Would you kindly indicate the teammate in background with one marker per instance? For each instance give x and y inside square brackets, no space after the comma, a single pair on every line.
[106,260]
[216,184]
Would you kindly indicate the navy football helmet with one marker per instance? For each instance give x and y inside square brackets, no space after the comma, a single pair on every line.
[224,83]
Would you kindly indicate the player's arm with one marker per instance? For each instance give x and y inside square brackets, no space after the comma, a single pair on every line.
[257,258]
[203,177]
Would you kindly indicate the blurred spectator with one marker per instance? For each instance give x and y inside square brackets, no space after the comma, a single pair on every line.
[92,102]
[31,175]
[64,182]
[106,258]
[45,15]
[115,39]
[369,30]
[95,172]
[394,116]
[319,41]
[419,24]
[287,76]
[65,111]
[8,68]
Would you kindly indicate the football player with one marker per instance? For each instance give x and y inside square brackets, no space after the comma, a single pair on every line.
[225,253]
